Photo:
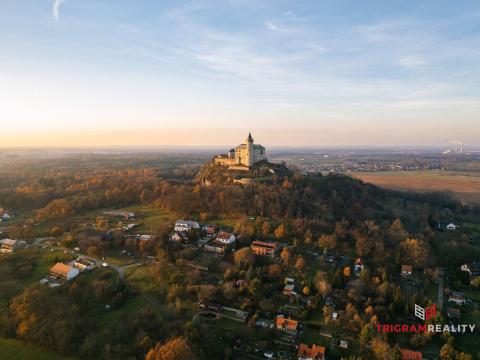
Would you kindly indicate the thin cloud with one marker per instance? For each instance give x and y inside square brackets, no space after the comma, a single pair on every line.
[56,8]
[271,25]
[412,61]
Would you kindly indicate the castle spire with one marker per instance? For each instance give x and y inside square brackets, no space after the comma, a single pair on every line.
[250,139]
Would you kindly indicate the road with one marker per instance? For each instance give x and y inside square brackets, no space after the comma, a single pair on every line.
[440,289]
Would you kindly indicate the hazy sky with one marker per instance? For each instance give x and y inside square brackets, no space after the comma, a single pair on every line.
[98,72]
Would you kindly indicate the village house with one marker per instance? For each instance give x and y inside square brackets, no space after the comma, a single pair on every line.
[185,225]
[63,271]
[406,270]
[210,230]
[359,266]
[453,313]
[144,237]
[289,290]
[408,354]
[457,297]
[83,264]
[264,323]
[286,325]
[472,268]
[262,248]
[4,216]
[217,247]
[451,227]
[315,352]
[225,237]
[179,236]
[10,245]
[241,282]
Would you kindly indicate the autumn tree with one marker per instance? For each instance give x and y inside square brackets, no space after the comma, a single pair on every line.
[327,241]
[415,252]
[322,284]
[244,257]
[174,349]
[280,231]
[285,256]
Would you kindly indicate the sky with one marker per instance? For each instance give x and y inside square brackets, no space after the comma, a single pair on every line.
[320,72]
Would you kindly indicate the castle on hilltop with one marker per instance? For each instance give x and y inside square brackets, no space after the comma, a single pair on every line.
[243,156]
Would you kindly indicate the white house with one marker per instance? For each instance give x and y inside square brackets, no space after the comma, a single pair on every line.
[185,225]
[451,226]
[10,245]
[472,268]
[179,236]
[83,264]
[225,237]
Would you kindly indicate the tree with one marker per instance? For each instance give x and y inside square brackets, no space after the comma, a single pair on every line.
[327,241]
[285,256]
[244,257]
[299,263]
[274,271]
[280,231]
[414,251]
[380,349]
[174,349]
[447,352]
[266,229]
[321,283]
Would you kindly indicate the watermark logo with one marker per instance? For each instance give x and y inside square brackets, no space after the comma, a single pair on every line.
[426,313]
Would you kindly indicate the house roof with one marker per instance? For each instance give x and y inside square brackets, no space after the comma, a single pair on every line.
[61,269]
[314,352]
[271,245]
[408,354]
[456,296]
[453,311]
[211,230]
[286,323]
[359,261]
[407,268]
[224,235]
[186,222]
[9,242]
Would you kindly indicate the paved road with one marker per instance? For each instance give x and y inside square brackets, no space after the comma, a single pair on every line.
[440,289]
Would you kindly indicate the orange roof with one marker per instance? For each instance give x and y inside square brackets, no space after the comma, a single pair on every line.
[359,261]
[61,269]
[285,323]
[407,268]
[264,244]
[408,354]
[315,352]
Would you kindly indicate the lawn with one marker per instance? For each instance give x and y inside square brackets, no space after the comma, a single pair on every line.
[151,219]
[464,185]
[11,349]
[142,278]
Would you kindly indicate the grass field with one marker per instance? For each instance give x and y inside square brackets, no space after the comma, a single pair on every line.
[463,185]
[11,349]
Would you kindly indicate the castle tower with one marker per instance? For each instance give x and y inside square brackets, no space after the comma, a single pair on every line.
[249,143]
